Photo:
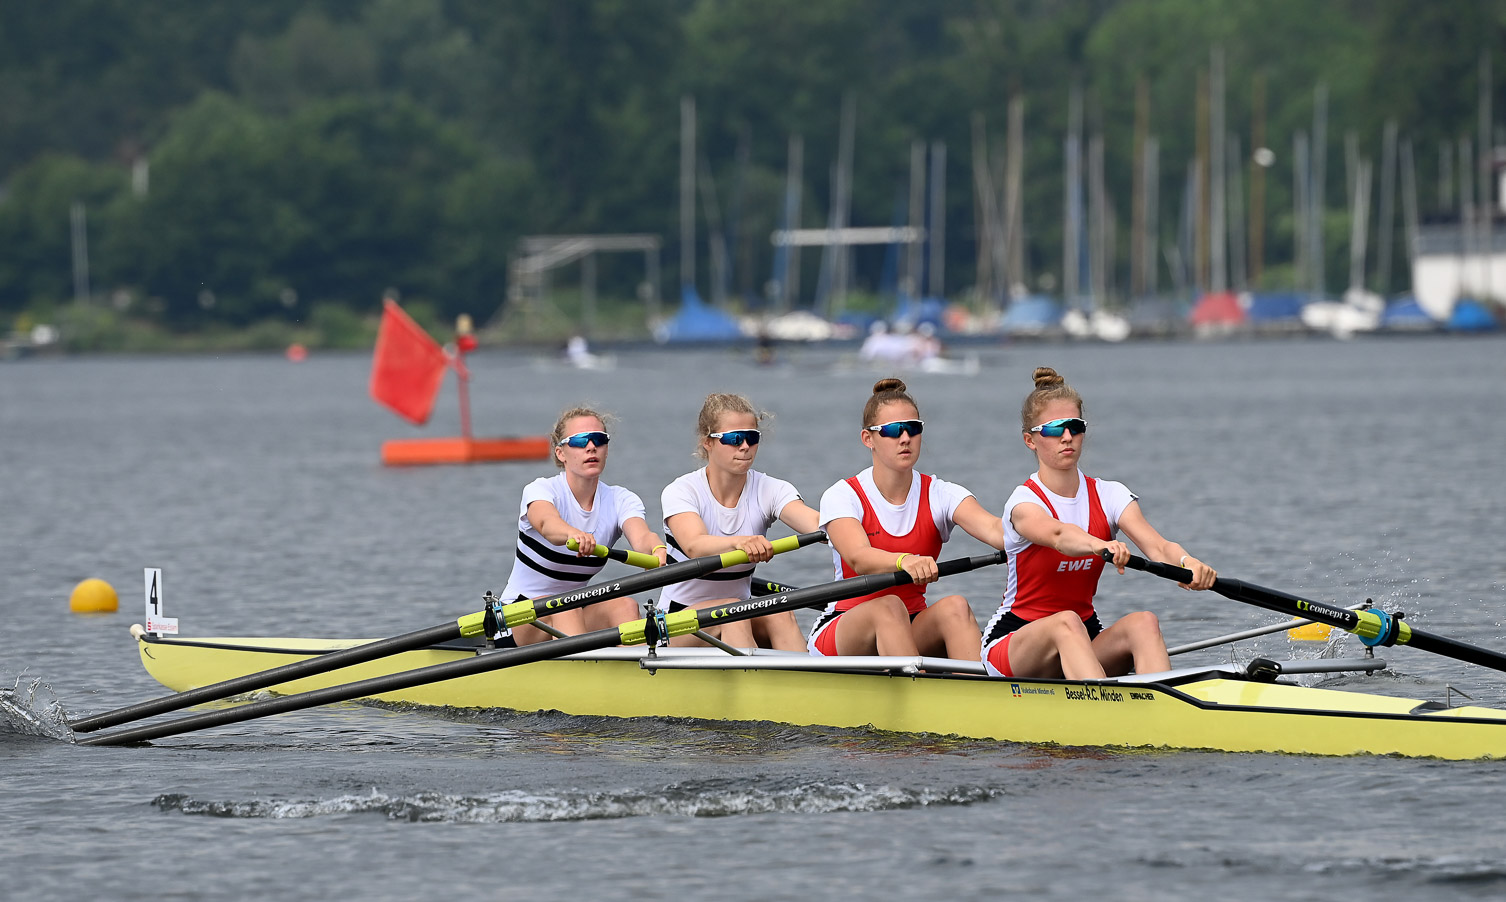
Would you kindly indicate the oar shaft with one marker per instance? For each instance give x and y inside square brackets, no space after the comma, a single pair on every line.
[470,625]
[1369,625]
[769,587]
[631,633]
[1453,648]
[360,689]
[317,664]
[690,619]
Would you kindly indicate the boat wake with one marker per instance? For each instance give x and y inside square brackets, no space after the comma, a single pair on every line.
[713,798]
[31,709]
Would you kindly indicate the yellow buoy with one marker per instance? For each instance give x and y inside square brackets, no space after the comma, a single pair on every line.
[93,596]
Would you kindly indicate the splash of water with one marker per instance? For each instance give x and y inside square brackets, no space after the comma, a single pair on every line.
[31,708]
[679,800]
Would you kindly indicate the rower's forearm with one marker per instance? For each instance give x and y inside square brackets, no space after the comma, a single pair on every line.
[875,560]
[1073,541]
[701,546]
[649,544]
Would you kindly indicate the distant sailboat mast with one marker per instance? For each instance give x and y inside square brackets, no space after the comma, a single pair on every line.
[1217,193]
[1072,201]
[687,196]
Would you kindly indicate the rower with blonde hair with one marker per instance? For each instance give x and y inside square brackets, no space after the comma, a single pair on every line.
[729,506]
[1057,526]
[575,505]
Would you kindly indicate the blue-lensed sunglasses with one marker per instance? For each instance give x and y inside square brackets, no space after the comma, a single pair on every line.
[893,430]
[736,437]
[582,439]
[1054,429]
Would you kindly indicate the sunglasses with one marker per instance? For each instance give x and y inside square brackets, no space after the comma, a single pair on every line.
[582,439]
[893,430]
[736,437]
[1054,429]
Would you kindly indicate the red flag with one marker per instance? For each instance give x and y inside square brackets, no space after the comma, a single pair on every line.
[407,367]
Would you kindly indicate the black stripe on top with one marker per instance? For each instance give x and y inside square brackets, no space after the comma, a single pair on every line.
[561,575]
[528,544]
[548,553]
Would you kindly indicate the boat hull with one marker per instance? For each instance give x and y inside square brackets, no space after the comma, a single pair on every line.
[1209,710]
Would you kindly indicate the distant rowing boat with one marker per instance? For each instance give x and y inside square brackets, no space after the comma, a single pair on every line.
[1218,708]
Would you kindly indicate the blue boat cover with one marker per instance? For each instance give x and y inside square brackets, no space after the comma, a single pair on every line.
[1032,313]
[1405,313]
[1274,308]
[918,310]
[697,321]
[1471,316]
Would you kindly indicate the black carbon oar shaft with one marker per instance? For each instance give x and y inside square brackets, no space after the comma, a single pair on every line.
[469,625]
[1366,624]
[631,633]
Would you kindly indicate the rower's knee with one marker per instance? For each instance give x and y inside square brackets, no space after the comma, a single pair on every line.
[1142,624]
[1065,626]
[889,607]
[955,609]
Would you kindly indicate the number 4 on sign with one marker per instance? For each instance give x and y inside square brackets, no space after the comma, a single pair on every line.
[155,622]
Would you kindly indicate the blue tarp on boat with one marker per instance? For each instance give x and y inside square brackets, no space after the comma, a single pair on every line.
[1404,314]
[1275,308]
[697,321]
[1031,315]
[1471,316]
[918,310]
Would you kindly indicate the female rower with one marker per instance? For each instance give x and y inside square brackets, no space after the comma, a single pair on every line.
[575,504]
[729,506]
[888,518]
[1056,525]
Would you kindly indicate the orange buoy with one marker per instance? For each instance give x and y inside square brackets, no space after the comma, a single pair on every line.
[297,352]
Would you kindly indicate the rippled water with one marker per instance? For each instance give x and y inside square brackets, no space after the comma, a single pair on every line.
[1339,470]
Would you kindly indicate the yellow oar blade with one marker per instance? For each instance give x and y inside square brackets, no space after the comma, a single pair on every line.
[1312,632]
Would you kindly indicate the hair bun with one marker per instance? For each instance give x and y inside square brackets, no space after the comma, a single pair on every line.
[1046,377]
[890,384]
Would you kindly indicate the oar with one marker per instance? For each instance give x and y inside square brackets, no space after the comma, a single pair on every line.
[1373,627]
[636,632]
[769,587]
[632,558]
[514,614]
[1292,627]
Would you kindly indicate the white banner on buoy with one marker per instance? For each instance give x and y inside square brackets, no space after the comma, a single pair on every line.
[155,622]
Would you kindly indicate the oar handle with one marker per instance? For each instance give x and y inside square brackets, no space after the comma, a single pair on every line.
[1374,627]
[631,558]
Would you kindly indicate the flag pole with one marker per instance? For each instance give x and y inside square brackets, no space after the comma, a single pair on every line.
[464,343]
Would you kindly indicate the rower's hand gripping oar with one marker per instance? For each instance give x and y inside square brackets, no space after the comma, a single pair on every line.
[631,558]
[520,613]
[513,614]
[1373,627]
[634,632]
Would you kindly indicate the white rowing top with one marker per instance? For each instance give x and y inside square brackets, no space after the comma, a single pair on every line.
[541,568]
[759,505]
